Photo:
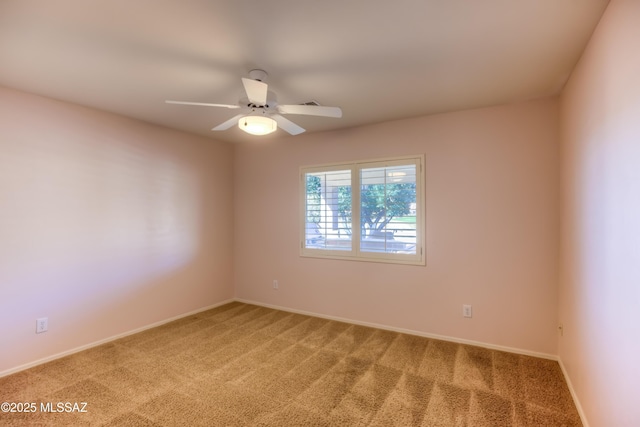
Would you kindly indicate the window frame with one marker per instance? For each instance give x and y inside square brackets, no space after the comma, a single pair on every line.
[356,254]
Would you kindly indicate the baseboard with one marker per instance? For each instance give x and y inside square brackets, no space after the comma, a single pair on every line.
[106,340]
[406,331]
[307,313]
[576,401]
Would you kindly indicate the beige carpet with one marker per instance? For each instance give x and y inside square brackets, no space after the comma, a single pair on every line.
[241,364]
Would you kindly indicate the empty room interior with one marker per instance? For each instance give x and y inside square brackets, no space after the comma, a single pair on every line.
[320,213]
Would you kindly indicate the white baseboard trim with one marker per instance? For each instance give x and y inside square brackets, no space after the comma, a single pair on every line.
[406,331]
[576,401]
[307,313]
[106,340]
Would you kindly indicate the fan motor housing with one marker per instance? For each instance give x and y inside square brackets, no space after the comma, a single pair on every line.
[272,102]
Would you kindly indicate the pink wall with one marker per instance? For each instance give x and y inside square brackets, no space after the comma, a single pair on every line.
[492,180]
[600,270]
[106,225]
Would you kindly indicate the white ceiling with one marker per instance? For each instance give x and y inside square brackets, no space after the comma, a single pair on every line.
[377,60]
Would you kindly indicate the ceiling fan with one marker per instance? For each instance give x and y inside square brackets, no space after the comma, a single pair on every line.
[260,113]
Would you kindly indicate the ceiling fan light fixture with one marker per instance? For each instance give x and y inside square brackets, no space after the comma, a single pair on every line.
[257,125]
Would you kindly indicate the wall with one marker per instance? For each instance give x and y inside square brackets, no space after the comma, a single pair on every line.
[492,193]
[600,275]
[106,225]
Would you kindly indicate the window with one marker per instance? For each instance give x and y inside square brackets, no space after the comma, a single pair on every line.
[367,211]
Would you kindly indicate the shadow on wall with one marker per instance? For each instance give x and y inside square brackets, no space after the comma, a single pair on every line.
[87,227]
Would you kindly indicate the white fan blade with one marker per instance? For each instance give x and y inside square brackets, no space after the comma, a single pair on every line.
[311,110]
[226,125]
[256,91]
[287,125]
[203,104]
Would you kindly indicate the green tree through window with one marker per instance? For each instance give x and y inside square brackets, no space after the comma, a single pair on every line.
[313,198]
[380,203]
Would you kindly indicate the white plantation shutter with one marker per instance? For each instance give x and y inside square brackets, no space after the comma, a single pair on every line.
[328,210]
[367,211]
[387,209]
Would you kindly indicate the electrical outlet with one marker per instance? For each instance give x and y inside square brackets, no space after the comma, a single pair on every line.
[275,284]
[42,325]
[466,310]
